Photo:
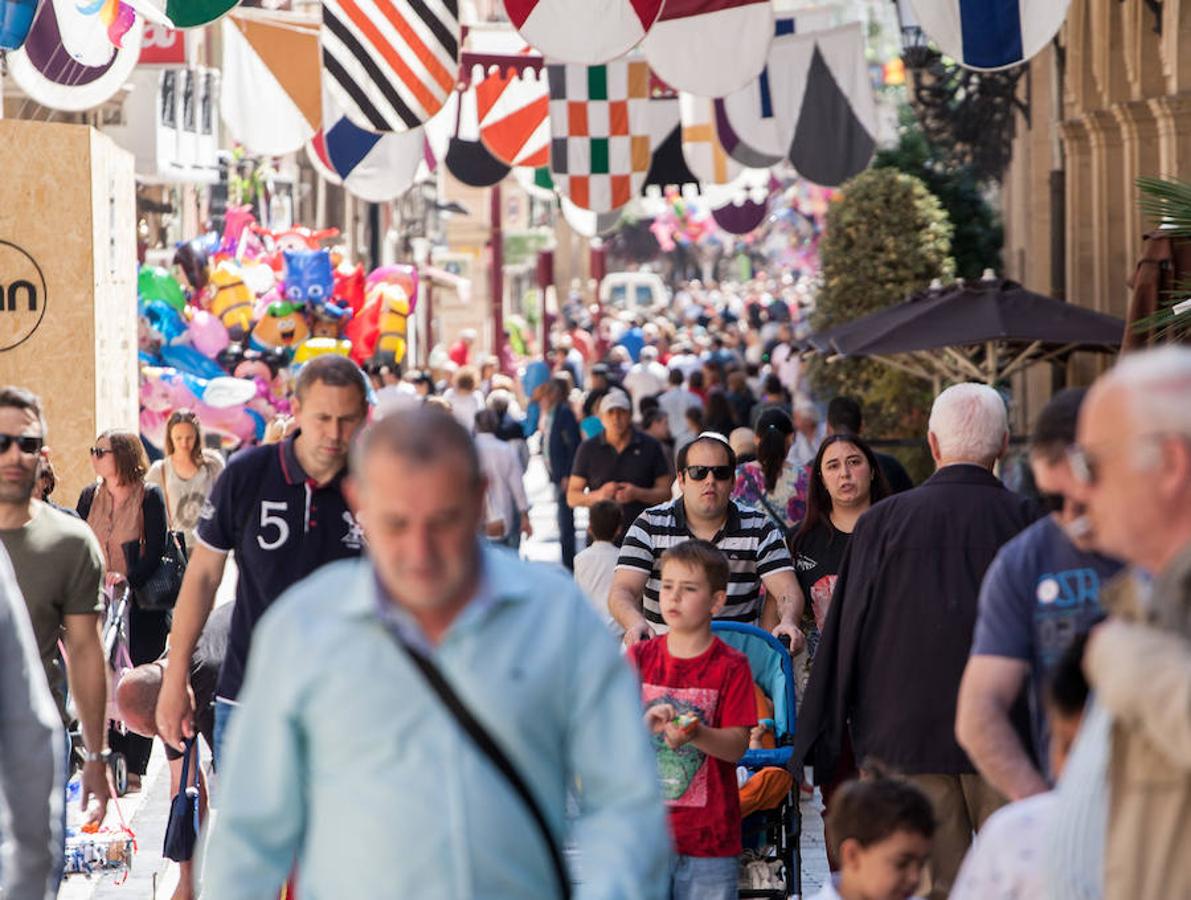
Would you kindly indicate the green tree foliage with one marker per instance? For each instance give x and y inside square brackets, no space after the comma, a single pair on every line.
[887,236]
[978,237]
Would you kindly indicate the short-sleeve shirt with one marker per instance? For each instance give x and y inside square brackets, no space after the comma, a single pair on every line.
[818,556]
[186,496]
[700,791]
[641,463]
[282,526]
[1038,594]
[753,544]
[59,568]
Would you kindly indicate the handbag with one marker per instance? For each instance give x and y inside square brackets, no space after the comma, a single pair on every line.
[489,747]
[181,831]
[159,593]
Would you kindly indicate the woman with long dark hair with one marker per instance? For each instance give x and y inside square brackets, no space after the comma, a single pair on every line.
[717,413]
[845,480]
[123,511]
[772,483]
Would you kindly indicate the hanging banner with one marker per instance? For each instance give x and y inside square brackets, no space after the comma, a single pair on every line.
[701,145]
[583,31]
[600,124]
[991,34]
[710,47]
[390,64]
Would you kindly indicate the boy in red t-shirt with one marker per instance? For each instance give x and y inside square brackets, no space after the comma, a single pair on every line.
[698,695]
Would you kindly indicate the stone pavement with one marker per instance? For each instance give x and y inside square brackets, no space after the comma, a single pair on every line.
[153,878]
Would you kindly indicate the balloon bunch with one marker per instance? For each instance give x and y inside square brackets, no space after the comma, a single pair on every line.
[682,222]
[225,332]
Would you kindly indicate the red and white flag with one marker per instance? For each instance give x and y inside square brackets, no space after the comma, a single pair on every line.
[583,31]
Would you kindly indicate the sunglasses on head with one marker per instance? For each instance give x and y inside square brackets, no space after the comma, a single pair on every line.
[698,473]
[100,452]
[27,443]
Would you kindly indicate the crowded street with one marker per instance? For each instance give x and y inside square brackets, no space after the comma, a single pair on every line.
[595,449]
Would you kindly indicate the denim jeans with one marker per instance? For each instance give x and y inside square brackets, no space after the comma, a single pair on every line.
[223,715]
[704,878]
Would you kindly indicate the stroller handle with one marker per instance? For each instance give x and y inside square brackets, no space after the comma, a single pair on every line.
[785,639]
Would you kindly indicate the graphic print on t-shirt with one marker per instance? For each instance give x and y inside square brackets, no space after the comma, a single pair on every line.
[821,592]
[683,772]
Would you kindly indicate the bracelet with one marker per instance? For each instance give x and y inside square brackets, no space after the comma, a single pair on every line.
[102,756]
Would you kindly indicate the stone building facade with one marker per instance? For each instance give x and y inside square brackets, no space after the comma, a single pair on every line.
[1109,99]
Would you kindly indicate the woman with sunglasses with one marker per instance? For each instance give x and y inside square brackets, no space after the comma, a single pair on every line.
[772,483]
[125,512]
[187,473]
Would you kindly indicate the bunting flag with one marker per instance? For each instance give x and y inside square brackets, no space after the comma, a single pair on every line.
[467,158]
[587,223]
[583,31]
[710,47]
[701,144]
[813,105]
[269,92]
[514,115]
[390,64]
[600,132]
[374,167]
[196,13]
[667,166]
[68,62]
[990,34]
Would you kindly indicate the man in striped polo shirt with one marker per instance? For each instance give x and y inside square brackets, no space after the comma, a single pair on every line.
[755,547]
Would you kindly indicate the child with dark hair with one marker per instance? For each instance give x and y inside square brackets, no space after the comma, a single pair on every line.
[595,566]
[700,706]
[1008,858]
[880,830]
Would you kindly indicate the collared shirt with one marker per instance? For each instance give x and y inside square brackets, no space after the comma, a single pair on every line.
[282,526]
[641,462]
[754,546]
[505,498]
[376,791]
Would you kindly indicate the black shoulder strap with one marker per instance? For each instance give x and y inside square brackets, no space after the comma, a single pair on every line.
[85,500]
[487,744]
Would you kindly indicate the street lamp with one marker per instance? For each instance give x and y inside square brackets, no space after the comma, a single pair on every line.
[967,115]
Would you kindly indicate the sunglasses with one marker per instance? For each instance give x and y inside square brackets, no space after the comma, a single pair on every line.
[100,452]
[27,443]
[698,473]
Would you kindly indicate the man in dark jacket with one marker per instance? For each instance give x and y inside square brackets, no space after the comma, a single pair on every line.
[561,439]
[899,629]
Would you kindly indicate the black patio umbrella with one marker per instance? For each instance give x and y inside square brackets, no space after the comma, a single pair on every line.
[987,330]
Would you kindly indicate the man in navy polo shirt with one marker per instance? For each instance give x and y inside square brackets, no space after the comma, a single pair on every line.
[280,507]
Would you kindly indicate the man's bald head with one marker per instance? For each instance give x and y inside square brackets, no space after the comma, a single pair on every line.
[136,695]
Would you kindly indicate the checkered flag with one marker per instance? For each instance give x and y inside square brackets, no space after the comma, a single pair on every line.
[599,124]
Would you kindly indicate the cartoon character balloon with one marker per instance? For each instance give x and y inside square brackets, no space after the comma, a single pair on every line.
[310,281]
[283,326]
[230,299]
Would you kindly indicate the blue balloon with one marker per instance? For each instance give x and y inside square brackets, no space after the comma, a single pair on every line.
[164,319]
[189,361]
[258,421]
[16,18]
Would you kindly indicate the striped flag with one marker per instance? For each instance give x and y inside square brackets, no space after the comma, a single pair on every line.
[390,64]
[991,34]
[514,117]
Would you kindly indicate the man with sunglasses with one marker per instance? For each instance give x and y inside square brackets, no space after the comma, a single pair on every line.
[755,547]
[1042,590]
[1133,468]
[59,569]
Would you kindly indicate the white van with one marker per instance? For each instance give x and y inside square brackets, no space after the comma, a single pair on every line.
[635,292]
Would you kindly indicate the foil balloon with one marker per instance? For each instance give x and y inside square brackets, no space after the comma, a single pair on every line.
[16,18]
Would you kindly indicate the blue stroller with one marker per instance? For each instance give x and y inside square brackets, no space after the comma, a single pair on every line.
[781,827]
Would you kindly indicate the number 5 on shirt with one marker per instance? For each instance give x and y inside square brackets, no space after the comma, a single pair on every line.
[268,507]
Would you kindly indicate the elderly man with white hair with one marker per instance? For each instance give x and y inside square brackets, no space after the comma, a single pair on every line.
[897,637]
[1133,462]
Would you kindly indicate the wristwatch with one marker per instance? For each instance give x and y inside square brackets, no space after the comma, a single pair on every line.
[102,756]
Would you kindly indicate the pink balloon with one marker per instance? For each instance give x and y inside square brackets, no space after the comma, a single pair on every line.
[208,334]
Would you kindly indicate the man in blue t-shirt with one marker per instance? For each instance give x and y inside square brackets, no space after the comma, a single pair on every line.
[281,509]
[1041,591]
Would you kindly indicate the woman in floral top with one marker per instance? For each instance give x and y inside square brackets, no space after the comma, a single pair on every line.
[771,483]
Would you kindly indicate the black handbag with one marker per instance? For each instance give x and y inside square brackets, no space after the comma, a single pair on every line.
[159,593]
[181,831]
